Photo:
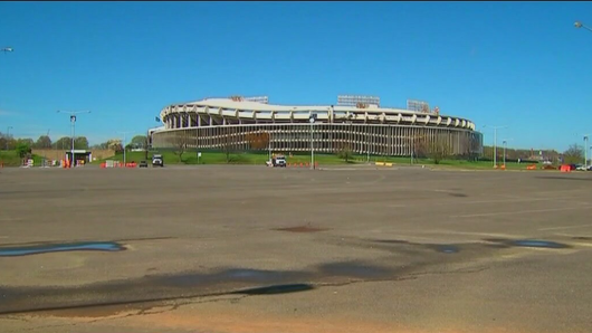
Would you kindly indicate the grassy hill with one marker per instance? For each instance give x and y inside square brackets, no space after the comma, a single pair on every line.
[10,158]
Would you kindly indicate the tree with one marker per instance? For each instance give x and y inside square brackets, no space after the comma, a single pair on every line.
[180,141]
[573,155]
[44,142]
[139,141]
[63,143]
[258,140]
[228,143]
[439,148]
[117,147]
[80,142]
[23,148]
[113,144]
[7,142]
[419,146]
[27,141]
[345,152]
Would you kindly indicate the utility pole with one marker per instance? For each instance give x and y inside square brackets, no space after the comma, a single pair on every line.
[368,147]
[505,142]
[312,119]
[495,128]
[73,122]
[505,147]
[586,136]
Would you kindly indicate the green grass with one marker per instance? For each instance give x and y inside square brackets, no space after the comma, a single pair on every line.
[221,158]
[216,157]
[9,158]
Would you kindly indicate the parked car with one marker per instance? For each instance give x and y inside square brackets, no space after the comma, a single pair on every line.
[278,161]
[157,160]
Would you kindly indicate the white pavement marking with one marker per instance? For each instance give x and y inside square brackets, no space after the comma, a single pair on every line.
[568,227]
[519,212]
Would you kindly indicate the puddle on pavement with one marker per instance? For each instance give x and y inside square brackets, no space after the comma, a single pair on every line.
[301,229]
[49,248]
[230,276]
[443,248]
[277,289]
[582,238]
[533,243]
[393,241]
[458,195]
[354,270]
[449,249]
[539,243]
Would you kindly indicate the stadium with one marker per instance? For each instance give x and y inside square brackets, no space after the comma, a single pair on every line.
[356,123]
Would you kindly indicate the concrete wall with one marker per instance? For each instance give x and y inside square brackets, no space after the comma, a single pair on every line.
[59,154]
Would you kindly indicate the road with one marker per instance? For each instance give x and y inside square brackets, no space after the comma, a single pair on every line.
[254,249]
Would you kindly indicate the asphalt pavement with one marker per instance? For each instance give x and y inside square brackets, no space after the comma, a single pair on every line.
[256,249]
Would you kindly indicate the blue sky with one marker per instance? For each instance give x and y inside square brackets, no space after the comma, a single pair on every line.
[521,64]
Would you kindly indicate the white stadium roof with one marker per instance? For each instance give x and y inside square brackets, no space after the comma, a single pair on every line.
[249,110]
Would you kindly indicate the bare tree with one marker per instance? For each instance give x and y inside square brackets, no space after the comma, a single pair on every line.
[573,155]
[439,148]
[228,143]
[180,142]
[345,152]
[420,146]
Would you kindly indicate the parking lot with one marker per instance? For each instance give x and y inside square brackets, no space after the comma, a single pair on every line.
[226,248]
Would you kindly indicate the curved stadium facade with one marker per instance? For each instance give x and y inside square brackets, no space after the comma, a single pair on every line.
[242,124]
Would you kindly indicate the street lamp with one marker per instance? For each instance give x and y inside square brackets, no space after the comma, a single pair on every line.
[312,119]
[73,121]
[7,49]
[495,128]
[505,142]
[586,151]
[579,24]
[123,145]
[8,135]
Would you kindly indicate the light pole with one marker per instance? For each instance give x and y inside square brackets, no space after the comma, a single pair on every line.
[495,128]
[268,146]
[7,49]
[586,150]
[312,120]
[505,142]
[579,24]
[123,144]
[73,122]
[8,135]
